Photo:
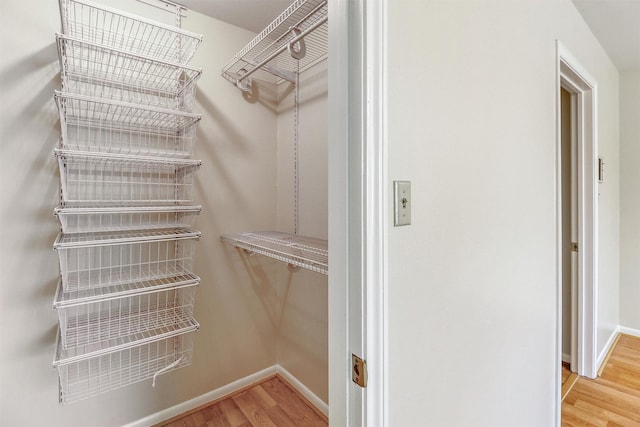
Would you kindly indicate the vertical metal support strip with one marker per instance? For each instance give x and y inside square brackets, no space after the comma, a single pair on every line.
[296,158]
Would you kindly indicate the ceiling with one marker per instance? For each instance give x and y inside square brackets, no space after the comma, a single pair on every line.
[615,23]
[252,15]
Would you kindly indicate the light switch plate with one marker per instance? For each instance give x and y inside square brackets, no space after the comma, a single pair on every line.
[402,203]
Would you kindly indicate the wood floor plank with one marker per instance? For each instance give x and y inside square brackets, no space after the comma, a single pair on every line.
[280,417]
[271,403]
[261,397]
[232,413]
[252,410]
[613,399]
[214,415]
[610,417]
[581,418]
[291,403]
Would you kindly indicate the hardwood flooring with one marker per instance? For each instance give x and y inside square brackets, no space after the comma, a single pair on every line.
[613,399]
[272,403]
[568,379]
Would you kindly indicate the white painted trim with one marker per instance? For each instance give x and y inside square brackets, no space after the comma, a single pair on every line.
[576,78]
[607,348]
[558,231]
[205,398]
[571,74]
[629,331]
[308,394]
[566,358]
[376,196]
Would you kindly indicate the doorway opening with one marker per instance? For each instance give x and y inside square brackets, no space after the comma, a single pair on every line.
[576,217]
[569,208]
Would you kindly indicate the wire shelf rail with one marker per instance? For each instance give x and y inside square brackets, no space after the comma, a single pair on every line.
[100,24]
[99,71]
[109,126]
[84,323]
[95,260]
[89,219]
[113,180]
[306,252]
[94,369]
[297,37]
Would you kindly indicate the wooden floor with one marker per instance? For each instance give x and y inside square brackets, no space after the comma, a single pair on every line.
[272,403]
[613,399]
[568,379]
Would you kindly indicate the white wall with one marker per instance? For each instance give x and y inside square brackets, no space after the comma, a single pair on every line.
[303,329]
[629,199]
[237,143]
[472,282]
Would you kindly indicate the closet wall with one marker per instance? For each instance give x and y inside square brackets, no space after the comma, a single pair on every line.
[238,187]
[629,200]
[303,325]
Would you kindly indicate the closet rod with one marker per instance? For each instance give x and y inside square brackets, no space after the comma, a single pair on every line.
[282,48]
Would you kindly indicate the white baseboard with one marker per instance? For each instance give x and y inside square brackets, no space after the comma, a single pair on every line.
[566,358]
[228,389]
[210,396]
[629,331]
[607,347]
[308,394]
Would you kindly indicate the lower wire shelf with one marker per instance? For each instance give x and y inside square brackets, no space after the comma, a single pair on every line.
[306,252]
[90,370]
[83,323]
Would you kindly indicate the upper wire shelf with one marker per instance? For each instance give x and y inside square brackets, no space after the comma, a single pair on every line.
[307,252]
[293,42]
[100,24]
[112,126]
[100,71]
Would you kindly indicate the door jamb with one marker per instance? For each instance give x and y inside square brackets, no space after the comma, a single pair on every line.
[574,77]
[358,197]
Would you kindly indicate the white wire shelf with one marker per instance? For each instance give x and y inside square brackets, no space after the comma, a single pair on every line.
[89,219]
[98,368]
[85,323]
[99,71]
[85,296]
[111,126]
[267,56]
[306,252]
[100,24]
[118,180]
[96,260]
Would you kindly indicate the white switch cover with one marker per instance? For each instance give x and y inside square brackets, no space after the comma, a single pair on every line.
[402,203]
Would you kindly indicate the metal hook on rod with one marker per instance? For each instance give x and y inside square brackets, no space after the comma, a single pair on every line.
[297,48]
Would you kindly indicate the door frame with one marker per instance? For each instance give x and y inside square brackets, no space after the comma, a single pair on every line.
[576,79]
[358,219]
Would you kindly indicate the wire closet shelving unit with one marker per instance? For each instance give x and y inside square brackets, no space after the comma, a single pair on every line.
[127,290]
[294,42]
